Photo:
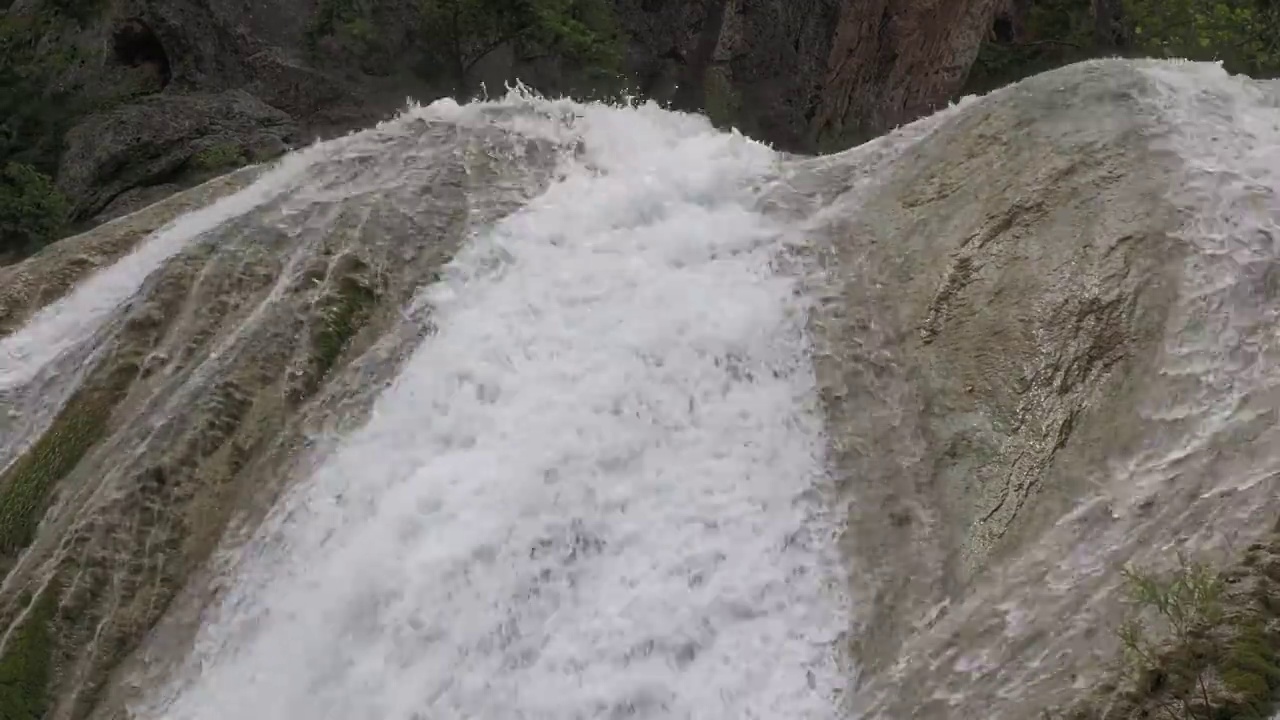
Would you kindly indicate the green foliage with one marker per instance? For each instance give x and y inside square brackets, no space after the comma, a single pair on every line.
[1184,606]
[1058,32]
[33,107]
[351,25]
[1198,644]
[461,33]
[35,111]
[26,663]
[1243,34]
[32,211]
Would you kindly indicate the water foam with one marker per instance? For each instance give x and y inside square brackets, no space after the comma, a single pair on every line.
[596,491]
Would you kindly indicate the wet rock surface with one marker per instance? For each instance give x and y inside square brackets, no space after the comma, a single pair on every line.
[1018,288]
[257,340]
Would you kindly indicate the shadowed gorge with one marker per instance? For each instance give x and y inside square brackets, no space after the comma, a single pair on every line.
[570,410]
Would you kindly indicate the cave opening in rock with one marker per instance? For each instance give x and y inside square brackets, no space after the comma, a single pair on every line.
[135,44]
[1002,29]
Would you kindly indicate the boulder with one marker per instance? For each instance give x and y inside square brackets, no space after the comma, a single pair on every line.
[164,137]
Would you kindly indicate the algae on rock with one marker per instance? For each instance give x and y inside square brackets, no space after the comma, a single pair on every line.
[25,487]
[187,424]
[26,660]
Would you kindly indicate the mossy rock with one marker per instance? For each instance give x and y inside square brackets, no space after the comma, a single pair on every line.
[26,662]
[26,486]
[224,156]
[342,314]
[347,300]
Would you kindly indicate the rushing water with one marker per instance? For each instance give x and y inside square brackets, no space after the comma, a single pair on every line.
[595,491]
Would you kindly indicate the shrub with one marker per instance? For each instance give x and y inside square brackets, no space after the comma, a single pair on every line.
[1187,608]
[32,210]
[1199,644]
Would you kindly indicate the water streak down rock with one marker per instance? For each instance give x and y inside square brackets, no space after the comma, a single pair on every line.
[1042,332]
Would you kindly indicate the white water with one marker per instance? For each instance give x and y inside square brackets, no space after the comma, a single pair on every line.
[595,492]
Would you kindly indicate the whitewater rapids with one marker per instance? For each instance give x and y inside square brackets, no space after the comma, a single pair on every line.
[595,491]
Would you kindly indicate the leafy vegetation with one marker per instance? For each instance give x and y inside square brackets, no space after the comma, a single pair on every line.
[1187,604]
[35,111]
[1243,34]
[349,24]
[1199,644]
[26,662]
[32,211]
[461,33]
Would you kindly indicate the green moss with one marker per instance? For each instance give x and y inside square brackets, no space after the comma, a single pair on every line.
[25,487]
[342,313]
[226,156]
[26,662]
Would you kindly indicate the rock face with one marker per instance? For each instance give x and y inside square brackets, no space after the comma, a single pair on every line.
[892,62]
[796,74]
[810,73]
[1026,339]
[760,65]
[150,141]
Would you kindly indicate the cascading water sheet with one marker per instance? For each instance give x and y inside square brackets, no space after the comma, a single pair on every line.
[597,491]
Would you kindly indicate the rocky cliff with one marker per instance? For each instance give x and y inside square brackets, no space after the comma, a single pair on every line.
[1042,347]
[161,94]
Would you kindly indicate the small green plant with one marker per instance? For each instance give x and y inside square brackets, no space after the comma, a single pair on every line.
[1243,34]
[1187,608]
[219,157]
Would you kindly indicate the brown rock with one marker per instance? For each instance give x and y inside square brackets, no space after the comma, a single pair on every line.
[149,142]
